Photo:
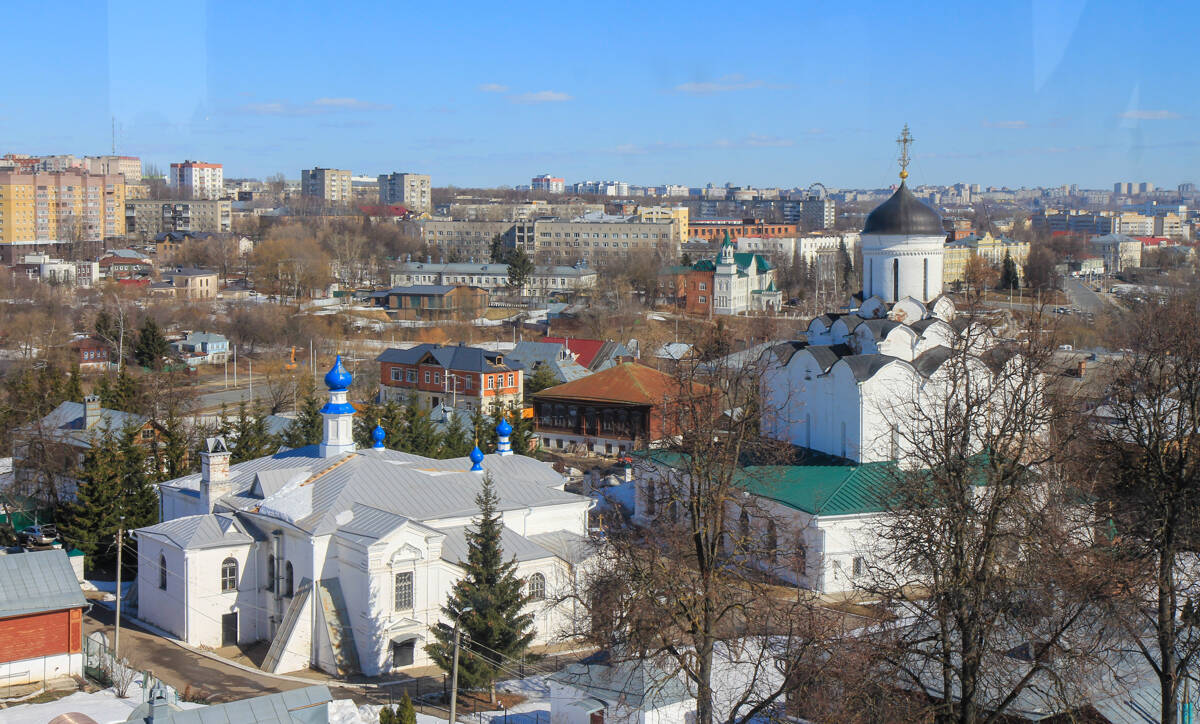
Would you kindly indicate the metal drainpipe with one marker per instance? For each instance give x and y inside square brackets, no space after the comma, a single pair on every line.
[276,580]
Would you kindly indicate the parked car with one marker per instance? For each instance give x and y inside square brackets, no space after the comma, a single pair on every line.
[38,535]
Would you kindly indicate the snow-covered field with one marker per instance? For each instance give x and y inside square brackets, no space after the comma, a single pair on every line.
[103,706]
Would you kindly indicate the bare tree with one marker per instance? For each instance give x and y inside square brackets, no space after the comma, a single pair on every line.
[982,549]
[1148,455]
[694,581]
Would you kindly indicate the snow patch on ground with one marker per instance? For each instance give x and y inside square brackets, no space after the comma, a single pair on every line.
[343,711]
[103,706]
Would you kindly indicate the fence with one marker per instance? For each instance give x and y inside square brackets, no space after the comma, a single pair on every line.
[102,667]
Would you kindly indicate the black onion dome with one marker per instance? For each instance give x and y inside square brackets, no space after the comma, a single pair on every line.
[904,214]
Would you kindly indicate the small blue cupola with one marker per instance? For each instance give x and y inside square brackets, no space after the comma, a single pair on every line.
[476,460]
[378,435]
[503,432]
[337,435]
[338,378]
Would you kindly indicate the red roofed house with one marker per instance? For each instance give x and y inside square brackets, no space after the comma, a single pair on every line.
[41,618]
[610,413]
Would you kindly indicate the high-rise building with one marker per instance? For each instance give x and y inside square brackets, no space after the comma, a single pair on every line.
[413,190]
[149,217]
[128,166]
[331,185]
[817,214]
[62,206]
[546,182]
[196,180]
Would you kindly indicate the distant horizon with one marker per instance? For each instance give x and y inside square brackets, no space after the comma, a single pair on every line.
[1007,94]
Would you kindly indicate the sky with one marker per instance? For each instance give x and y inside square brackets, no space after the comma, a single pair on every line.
[1032,93]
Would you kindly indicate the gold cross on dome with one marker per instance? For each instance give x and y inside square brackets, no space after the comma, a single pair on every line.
[905,140]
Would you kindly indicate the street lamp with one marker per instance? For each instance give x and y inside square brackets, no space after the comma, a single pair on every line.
[454,666]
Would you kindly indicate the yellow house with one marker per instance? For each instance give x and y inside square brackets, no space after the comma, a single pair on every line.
[678,215]
[991,248]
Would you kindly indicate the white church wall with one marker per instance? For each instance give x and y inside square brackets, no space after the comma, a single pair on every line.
[916,260]
[206,602]
[908,310]
[938,334]
[843,539]
[900,342]
[886,416]
[166,609]
[839,430]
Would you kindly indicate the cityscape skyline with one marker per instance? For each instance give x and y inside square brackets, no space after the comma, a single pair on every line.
[1051,104]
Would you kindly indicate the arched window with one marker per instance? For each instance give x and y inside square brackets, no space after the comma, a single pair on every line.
[287,579]
[228,575]
[162,571]
[271,572]
[537,587]
[895,280]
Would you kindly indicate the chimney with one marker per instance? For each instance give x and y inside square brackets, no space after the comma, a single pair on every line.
[91,411]
[160,707]
[628,470]
[214,472]
[1081,368]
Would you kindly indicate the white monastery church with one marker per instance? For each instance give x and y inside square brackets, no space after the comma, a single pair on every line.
[342,558]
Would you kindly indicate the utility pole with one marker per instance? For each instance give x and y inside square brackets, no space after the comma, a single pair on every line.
[117,627]
[454,668]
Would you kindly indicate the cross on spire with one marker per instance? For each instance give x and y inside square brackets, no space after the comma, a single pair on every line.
[905,140]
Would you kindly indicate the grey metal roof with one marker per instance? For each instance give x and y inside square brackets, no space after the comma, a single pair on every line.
[850,321]
[38,581]
[785,350]
[309,705]
[570,547]
[864,366]
[414,487]
[904,213]
[923,324]
[201,531]
[827,354]
[419,289]
[639,684]
[931,359]
[879,328]
[453,357]
[514,545]
[554,355]
[67,421]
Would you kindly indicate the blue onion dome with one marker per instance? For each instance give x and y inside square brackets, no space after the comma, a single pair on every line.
[476,457]
[337,379]
[504,429]
[378,435]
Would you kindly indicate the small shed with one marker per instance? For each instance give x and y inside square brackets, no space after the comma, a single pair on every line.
[41,618]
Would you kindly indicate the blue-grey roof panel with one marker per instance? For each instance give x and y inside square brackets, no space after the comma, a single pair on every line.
[38,581]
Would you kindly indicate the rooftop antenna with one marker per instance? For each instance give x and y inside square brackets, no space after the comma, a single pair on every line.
[114,135]
[905,140]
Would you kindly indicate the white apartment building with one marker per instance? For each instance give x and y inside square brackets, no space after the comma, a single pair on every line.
[331,185]
[198,180]
[413,190]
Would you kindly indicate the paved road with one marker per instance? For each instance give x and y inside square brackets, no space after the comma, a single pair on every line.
[1082,296]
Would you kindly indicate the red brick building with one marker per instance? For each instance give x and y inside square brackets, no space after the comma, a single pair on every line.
[467,378]
[712,229]
[41,618]
[90,354]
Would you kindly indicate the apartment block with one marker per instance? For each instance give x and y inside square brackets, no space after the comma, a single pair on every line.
[128,166]
[149,217]
[468,240]
[67,206]
[413,190]
[600,238]
[331,185]
[549,183]
[197,180]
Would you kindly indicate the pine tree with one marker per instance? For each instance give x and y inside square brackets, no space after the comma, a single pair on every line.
[151,345]
[248,435]
[306,429]
[90,522]
[405,712]
[456,440]
[484,431]
[73,390]
[542,378]
[1009,277]
[172,458]
[120,391]
[139,501]
[845,266]
[495,629]
[419,436]
[520,267]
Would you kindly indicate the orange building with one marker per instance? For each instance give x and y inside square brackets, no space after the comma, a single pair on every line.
[468,378]
[717,228]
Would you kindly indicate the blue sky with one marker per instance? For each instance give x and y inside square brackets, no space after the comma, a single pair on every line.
[1009,93]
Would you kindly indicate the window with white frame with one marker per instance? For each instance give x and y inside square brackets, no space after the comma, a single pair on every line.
[537,587]
[228,575]
[395,374]
[404,591]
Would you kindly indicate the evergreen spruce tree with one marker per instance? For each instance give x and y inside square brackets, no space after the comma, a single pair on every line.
[495,629]
[90,522]
[139,502]
[172,458]
[306,428]
[419,436]
[73,390]
[845,266]
[151,345]
[248,435]
[1009,277]
[542,378]
[119,392]
[484,430]
[386,715]
[456,440]
[405,712]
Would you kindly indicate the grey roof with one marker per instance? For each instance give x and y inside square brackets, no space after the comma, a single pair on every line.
[190,273]
[514,545]
[453,357]
[203,337]
[785,350]
[316,490]
[923,324]
[826,319]
[201,531]
[570,547]
[67,420]
[879,328]
[748,357]
[418,289]
[490,268]
[904,213]
[640,684]
[551,354]
[850,321]
[931,359]
[827,354]
[38,581]
[309,705]
[864,366]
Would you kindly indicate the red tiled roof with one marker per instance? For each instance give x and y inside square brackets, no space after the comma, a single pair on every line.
[628,382]
[585,350]
[380,210]
[1153,240]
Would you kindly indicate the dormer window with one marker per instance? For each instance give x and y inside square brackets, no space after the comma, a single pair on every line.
[499,359]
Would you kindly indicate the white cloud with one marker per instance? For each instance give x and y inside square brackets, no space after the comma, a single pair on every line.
[493,88]
[1160,115]
[545,96]
[350,104]
[724,84]
[1006,124]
